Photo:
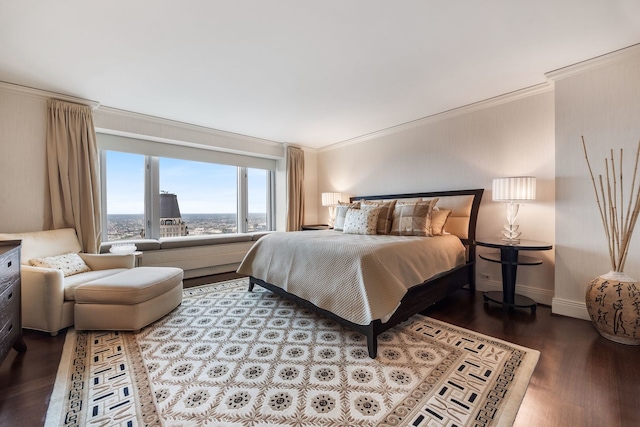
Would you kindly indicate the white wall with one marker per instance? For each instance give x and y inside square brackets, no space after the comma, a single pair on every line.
[603,104]
[22,161]
[462,150]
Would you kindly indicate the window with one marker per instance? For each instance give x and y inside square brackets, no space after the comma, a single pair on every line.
[258,191]
[204,196]
[150,196]
[124,195]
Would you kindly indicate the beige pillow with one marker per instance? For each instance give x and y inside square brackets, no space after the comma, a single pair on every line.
[439,220]
[69,264]
[361,221]
[385,219]
[341,213]
[413,219]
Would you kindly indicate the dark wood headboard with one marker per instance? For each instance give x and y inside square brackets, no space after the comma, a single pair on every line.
[464,203]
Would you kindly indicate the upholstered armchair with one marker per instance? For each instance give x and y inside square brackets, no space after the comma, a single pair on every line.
[48,296]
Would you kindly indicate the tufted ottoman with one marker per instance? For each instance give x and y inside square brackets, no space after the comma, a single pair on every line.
[128,301]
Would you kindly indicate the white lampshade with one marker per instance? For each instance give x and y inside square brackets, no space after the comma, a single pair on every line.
[515,188]
[331,199]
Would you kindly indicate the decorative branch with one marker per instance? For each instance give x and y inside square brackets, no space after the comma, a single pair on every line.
[618,224]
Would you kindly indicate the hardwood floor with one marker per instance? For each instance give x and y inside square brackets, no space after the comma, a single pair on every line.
[581,379]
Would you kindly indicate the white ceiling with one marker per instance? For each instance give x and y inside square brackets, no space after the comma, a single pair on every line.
[307,72]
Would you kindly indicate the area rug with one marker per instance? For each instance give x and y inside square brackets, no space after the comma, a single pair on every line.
[228,357]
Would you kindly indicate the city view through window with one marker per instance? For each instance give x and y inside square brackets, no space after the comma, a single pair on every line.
[131,226]
[197,199]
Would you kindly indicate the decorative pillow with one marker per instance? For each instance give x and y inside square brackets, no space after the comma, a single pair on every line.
[70,264]
[341,213]
[385,219]
[361,221]
[413,219]
[438,220]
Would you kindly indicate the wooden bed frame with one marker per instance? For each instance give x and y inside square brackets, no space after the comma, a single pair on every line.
[418,297]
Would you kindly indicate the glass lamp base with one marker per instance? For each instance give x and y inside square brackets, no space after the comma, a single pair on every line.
[511,233]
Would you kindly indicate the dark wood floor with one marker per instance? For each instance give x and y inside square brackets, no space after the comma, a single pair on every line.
[581,379]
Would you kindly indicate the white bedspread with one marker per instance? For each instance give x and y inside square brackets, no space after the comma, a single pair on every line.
[359,278]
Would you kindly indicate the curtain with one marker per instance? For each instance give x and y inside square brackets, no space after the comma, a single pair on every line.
[73,172]
[295,188]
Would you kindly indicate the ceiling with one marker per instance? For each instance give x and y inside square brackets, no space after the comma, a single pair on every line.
[308,72]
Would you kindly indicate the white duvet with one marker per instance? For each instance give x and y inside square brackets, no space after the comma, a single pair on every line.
[359,278]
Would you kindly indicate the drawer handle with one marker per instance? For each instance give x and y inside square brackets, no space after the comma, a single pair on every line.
[10,328]
[10,296]
[9,264]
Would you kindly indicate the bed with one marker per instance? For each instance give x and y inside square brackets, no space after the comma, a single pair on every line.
[370,283]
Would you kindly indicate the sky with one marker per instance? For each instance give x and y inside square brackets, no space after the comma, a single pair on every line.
[200,187]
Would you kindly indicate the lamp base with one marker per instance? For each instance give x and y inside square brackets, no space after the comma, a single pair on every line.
[510,240]
[511,233]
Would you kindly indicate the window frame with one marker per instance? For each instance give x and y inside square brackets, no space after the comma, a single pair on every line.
[152,195]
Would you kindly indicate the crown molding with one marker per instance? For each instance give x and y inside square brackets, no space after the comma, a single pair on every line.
[459,111]
[593,63]
[44,94]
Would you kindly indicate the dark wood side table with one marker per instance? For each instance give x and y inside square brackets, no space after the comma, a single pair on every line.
[510,260]
[316,227]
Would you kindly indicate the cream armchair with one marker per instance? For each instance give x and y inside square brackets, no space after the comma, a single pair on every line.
[48,297]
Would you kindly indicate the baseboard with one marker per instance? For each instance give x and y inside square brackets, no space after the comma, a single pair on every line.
[541,296]
[570,308]
[563,307]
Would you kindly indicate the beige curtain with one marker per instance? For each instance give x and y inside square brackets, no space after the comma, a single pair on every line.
[72,163]
[295,188]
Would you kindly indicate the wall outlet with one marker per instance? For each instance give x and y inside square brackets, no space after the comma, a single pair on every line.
[485,276]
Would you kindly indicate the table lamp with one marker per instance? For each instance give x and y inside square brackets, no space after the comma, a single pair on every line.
[512,191]
[331,201]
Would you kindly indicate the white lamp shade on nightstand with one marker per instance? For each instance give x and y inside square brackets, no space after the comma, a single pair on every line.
[331,199]
[512,191]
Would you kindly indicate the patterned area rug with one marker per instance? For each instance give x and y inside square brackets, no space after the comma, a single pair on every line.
[227,357]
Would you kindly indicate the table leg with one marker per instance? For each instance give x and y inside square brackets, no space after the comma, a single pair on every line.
[509,260]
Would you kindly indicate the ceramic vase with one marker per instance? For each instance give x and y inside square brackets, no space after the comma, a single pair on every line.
[613,302]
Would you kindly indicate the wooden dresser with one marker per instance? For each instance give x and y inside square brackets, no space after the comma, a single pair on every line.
[10,315]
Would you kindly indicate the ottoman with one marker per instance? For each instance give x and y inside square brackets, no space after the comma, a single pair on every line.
[128,301]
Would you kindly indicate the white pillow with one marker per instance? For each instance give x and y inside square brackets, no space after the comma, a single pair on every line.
[341,213]
[70,264]
[361,221]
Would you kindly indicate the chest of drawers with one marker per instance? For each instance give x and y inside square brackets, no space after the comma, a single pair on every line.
[10,315]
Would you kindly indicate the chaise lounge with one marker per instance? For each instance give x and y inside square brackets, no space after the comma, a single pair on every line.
[113,295]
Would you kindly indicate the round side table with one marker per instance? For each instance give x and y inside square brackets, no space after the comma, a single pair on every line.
[510,260]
